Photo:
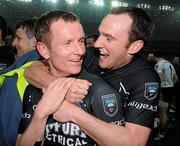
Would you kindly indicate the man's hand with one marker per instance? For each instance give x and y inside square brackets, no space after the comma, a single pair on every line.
[66,111]
[78,90]
[54,96]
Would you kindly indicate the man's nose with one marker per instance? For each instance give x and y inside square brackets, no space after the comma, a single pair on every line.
[97,44]
[14,43]
[80,49]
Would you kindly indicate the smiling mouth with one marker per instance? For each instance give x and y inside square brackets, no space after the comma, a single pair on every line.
[77,61]
[103,55]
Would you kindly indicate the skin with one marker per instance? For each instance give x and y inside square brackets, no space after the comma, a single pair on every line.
[22,43]
[90,42]
[115,52]
[113,44]
[176,60]
[67,47]
[151,57]
[67,51]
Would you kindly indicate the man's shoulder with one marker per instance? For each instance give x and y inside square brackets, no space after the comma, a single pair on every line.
[93,77]
[8,89]
[163,62]
[30,56]
[141,72]
[97,81]
[139,67]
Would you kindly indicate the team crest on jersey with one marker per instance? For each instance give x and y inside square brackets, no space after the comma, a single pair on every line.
[151,90]
[110,104]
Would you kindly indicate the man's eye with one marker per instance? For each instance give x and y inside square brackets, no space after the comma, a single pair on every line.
[108,39]
[67,43]
[82,41]
[18,38]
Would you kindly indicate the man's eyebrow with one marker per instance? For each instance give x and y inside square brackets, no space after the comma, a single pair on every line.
[107,35]
[83,37]
[16,36]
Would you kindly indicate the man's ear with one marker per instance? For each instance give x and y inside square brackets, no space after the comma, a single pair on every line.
[43,50]
[33,42]
[135,47]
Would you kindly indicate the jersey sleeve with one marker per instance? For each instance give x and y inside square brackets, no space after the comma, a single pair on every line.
[106,103]
[141,107]
[30,100]
[159,68]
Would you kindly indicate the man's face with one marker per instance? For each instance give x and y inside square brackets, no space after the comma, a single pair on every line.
[90,42]
[67,48]
[113,41]
[22,43]
[176,60]
[151,57]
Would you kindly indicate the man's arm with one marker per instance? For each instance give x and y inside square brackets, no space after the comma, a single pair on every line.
[161,75]
[103,133]
[49,103]
[38,74]
[175,78]
[34,132]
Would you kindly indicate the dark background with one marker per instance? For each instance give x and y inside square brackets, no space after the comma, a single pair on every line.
[166,37]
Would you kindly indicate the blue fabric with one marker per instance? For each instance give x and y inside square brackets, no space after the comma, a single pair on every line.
[10,103]
[30,56]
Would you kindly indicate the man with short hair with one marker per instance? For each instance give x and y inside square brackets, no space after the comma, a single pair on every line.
[24,40]
[150,59]
[13,84]
[60,40]
[91,39]
[168,78]
[123,33]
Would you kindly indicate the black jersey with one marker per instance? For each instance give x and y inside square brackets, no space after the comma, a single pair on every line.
[102,101]
[7,56]
[138,83]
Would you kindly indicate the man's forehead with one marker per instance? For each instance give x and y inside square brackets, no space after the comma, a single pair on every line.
[118,19]
[66,31]
[65,25]
[21,30]
[113,24]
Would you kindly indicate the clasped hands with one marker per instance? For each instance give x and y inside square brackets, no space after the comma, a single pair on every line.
[60,98]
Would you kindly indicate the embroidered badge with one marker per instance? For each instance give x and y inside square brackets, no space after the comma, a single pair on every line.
[110,104]
[151,90]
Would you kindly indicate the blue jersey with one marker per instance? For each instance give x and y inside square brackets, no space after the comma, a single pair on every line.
[11,105]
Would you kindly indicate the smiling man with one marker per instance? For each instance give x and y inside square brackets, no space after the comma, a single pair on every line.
[124,32]
[60,40]
[13,82]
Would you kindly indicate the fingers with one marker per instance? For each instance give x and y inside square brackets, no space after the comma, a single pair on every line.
[75,99]
[78,90]
[54,95]
[83,84]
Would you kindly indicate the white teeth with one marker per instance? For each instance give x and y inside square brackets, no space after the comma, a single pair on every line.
[103,52]
[76,60]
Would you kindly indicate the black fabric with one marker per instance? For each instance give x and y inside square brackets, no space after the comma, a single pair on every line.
[177,92]
[131,81]
[167,94]
[103,101]
[7,55]
[91,60]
